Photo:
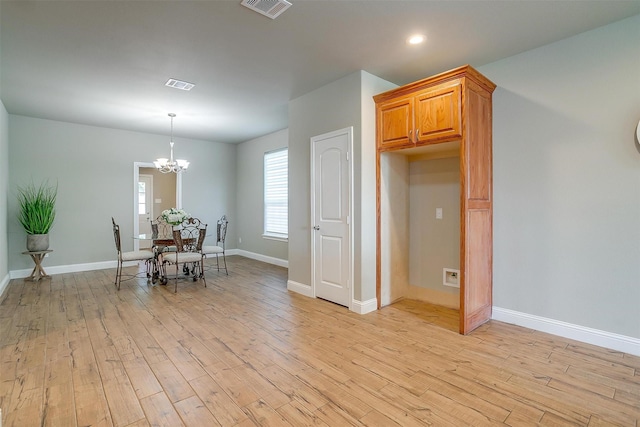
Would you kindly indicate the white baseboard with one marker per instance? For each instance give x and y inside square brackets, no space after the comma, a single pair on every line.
[360,307]
[300,288]
[259,257]
[597,337]
[364,307]
[71,268]
[75,268]
[4,284]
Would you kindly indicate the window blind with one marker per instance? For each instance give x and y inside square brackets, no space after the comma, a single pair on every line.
[276,193]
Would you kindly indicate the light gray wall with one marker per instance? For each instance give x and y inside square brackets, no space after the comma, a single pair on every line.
[94,170]
[434,244]
[250,193]
[332,107]
[4,185]
[4,182]
[338,105]
[567,180]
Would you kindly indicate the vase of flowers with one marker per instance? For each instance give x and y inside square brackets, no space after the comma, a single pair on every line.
[174,216]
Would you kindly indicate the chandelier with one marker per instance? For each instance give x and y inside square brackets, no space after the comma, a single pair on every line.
[169,165]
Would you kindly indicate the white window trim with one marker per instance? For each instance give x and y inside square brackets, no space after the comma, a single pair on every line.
[273,235]
[278,237]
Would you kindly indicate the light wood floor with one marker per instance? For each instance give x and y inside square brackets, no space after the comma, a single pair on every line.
[244,352]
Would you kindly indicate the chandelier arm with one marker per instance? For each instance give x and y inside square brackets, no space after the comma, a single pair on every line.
[171,165]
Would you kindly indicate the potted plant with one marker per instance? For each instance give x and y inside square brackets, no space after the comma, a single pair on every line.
[37,212]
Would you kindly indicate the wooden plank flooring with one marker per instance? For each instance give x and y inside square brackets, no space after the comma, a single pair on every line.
[244,352]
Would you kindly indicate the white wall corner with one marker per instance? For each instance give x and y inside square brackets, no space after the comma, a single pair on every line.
[4,284]
[300,288]
[597,337]
[259,257]
[364,307]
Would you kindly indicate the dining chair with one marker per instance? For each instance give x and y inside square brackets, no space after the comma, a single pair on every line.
[159,227]
[143,255]
[218,249]
[188,239]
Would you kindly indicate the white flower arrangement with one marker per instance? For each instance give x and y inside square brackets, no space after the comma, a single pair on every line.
[174,216]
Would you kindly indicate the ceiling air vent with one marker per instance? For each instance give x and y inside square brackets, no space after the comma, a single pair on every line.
[179,84]
[270,8]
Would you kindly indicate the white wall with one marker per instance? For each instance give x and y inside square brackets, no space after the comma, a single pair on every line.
[567,180]
[365,180]
[394,227]
[94,170]
[250,194]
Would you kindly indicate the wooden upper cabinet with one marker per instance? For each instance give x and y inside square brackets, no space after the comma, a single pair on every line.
[423,117]
[395,126]
[438,114]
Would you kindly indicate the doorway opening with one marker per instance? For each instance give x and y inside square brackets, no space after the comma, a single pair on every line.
[165,193]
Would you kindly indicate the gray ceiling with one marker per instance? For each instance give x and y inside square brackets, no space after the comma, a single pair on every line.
[105,63]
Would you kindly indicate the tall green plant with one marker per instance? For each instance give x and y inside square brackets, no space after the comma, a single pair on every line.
[37,207]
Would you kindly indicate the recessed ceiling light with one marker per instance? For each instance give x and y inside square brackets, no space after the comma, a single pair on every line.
[179,84]
[416,39]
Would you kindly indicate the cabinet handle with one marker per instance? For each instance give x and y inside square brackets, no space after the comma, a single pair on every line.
[417,133]
[411,135]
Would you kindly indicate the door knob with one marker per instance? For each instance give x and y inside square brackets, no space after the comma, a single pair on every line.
[317,227]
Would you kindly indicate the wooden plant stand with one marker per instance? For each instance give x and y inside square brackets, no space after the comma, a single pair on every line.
[38,271]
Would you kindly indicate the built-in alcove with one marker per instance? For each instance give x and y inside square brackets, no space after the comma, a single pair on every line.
[420,227]
[427,132]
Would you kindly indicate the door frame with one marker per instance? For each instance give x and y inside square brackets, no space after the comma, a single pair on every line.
[136,177]
[349,132]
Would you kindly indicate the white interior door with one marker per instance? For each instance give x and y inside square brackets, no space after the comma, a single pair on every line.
[145,207]
[331,211]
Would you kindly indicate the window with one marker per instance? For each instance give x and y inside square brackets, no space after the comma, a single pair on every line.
[276,194]
[142,192]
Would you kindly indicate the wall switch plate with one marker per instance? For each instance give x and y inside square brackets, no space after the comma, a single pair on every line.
[438,213]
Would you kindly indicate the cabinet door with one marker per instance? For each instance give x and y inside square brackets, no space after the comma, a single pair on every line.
[438,114]
[395,124]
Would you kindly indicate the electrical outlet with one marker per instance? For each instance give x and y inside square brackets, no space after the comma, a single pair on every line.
[438,213]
